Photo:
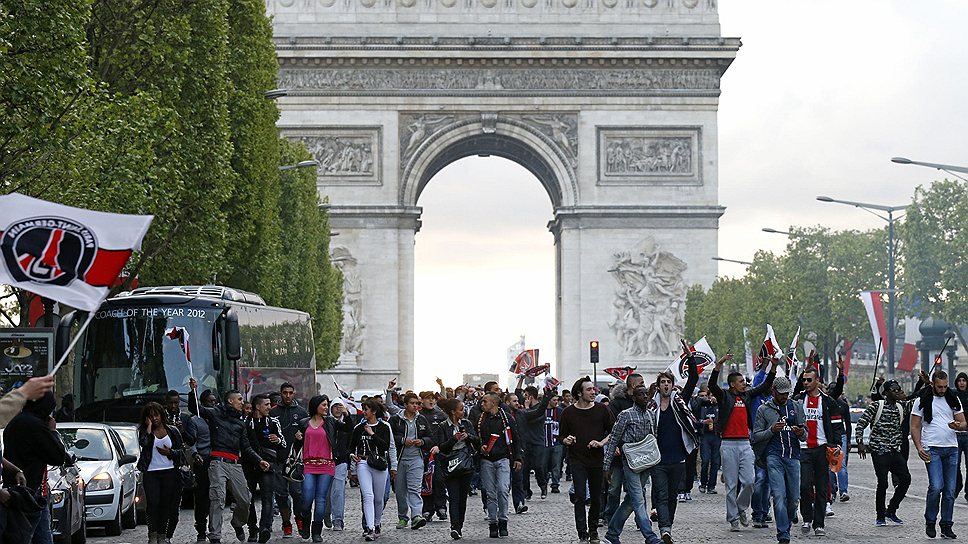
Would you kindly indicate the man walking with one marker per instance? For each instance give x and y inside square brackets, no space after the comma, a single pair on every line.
[436,502]
[621,401]
[585,426]
[230,446]
[530,418]
[412,434]
[289,413]
[734,424]
[266,438]
[935,418]
[706,410]
[633,425]
[776,441]
[814,467]
[197,431]
[548,458]
[885,418]
[500,453]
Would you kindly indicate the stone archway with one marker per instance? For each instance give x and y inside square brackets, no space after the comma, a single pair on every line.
[610,104]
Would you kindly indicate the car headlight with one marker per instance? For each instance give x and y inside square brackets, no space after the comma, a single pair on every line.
[100,482]
[57,496]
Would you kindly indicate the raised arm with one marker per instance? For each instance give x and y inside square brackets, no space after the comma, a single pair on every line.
[764,387]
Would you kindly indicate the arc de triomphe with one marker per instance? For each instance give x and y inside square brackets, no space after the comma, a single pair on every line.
[611,104]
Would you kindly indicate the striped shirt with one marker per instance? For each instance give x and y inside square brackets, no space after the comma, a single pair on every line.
[632,425]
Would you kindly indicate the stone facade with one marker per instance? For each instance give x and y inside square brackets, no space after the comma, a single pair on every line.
[610,103]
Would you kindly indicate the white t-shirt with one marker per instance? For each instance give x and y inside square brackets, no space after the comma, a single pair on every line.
[937,433]
[159,461]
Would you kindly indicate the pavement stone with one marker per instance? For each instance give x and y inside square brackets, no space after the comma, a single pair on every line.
[552,520]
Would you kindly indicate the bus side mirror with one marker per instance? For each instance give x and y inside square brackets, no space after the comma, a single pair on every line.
[233,342]
[63,337]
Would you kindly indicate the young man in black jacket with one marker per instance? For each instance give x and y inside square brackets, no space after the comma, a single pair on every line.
[32,444]
[500,454]
[413,437]
[230,446]
[266,437]
[289,413]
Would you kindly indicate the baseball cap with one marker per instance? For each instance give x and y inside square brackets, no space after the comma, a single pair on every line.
[782,384]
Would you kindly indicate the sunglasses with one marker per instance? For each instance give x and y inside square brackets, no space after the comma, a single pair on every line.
[807,380]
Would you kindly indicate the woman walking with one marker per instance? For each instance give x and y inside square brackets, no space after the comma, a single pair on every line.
[370,449]
[320,450]
[161,457]
[458,445]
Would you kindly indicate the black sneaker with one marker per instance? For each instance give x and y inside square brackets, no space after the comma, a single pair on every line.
[455,534]
[711,491]
[368,536]
[930,530]
[264,536]
[253,536]
[442,514]
[946,532]
[520,509]
[240,533]
[502,528]
[555,489]
[492,530]
[304,531]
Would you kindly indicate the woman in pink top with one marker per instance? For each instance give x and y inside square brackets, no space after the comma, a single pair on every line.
[318,433]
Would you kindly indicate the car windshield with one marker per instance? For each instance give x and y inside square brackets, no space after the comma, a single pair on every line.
[131,351]
[87,444]
[129,439]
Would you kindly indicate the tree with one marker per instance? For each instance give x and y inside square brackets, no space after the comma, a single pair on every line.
[309,282]
[252,258]
[935,242]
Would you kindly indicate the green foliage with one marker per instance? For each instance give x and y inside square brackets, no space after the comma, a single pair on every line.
[253,258]
[935,238]
[307,276]
[814,285]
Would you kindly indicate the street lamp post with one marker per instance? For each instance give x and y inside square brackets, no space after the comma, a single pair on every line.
[300,164]
[949,168]
[891,294]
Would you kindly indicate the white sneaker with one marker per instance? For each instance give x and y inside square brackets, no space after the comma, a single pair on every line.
[805,528]
[819,531]
[744,518]
[830,510]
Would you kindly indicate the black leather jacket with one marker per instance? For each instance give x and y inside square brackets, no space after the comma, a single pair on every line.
[425,432]
[338,434]
[147,442]
[228,431]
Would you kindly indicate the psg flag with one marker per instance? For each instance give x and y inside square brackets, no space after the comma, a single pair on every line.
[620,373]
[66,254]
[525,361]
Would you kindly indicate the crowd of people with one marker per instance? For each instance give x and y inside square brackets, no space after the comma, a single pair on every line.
[634,448]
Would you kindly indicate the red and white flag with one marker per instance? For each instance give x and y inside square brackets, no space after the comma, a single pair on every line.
[525,361]
[773,348]
[793,368]
[912,335]
[848,352]
[620,373]
[534,372]
[875,315]
[680,368]
[67,254]
[181,335]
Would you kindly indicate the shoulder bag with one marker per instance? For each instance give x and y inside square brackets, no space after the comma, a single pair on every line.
[642,455]
[294,465]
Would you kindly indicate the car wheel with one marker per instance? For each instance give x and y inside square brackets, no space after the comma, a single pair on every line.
[113,528]
[129,519]
[80,537]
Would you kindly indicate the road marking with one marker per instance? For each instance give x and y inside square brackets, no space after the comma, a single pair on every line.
[865,488]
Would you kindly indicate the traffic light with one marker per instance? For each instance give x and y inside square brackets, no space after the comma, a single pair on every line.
[593,351]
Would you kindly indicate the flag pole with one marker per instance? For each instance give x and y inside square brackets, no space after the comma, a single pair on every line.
[939,359]
[877,363]
[80,332]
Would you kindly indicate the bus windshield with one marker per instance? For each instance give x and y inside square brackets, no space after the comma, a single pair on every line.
[131,351]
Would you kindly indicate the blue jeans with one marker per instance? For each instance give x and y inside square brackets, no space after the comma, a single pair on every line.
[496,481]
[784,480]
[336,506]
[941,485]
[42,533]
[634,502]
[962,452]
[711,459]
[548,461]
[315,491]
[761,494]
[838,480]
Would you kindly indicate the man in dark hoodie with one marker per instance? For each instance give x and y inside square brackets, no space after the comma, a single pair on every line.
[32,444]
[961,389]
[530,418]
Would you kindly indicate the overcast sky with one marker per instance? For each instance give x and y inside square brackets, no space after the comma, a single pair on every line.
[821,96]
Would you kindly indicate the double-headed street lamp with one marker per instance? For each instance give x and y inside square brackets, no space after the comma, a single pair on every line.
[891,218]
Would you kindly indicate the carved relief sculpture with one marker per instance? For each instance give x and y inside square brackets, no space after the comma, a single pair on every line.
[650,155]
[354,325]
[416,129]
[562,129]
[345,154]
[649,304]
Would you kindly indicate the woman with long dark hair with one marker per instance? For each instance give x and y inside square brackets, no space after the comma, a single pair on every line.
[458,443]
[161,456]
[370,449]
[320,450]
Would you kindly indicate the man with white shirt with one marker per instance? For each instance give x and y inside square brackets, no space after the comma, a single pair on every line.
[936,416]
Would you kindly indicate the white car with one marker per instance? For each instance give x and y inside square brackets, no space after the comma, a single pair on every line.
[109,474]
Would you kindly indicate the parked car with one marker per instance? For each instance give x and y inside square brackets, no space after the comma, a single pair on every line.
[67,515]
[855,414]
[109,474]
[129,439]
